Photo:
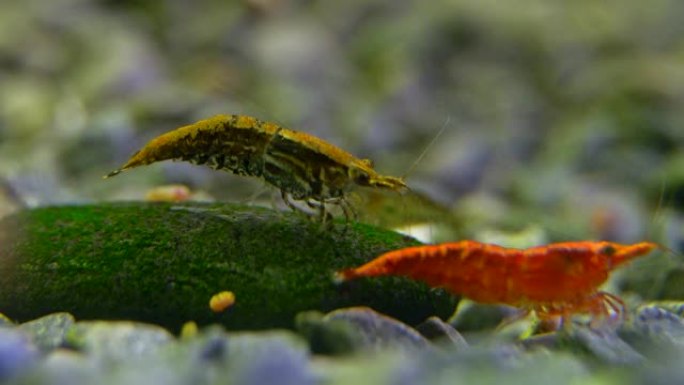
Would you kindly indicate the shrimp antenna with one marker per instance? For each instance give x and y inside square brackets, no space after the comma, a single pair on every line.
[661,201]
[658,213]
[427,148]
[422,155]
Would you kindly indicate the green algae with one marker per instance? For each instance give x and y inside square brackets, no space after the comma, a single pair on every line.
[161,263]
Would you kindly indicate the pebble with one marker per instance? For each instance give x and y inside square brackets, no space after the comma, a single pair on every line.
[17,353]
[117,340]
[439,331]
[48,332]
[377,332]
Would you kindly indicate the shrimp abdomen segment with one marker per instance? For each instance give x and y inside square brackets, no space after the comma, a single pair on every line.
[473,269]
[224,142]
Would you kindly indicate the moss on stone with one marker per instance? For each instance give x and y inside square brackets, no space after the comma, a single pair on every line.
[162,263]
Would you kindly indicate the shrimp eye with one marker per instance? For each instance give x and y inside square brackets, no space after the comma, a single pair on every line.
[607,250]
[360,177]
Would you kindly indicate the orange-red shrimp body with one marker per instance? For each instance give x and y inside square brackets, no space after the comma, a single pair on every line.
[556,279]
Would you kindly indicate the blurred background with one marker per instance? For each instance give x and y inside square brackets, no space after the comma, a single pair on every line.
[562,120]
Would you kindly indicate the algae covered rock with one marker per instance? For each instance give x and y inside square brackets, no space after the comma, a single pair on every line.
[161,263]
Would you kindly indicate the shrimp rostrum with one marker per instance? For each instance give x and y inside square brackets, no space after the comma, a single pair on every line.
[556,280]
[303,167]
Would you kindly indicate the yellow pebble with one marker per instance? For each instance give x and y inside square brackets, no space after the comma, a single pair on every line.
[169,193]
[188,330]
[222,301]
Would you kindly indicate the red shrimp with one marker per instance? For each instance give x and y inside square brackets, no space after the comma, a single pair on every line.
[559,279]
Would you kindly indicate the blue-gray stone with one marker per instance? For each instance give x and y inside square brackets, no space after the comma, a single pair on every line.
[605,345]
[375,331]
[274,357]
[17,354]
[439,331]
